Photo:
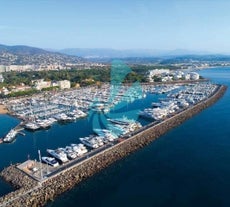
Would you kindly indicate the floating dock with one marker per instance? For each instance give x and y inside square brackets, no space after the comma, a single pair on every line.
[31,191]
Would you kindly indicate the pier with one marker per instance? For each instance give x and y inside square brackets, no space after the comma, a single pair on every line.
[11,135]
[37,192]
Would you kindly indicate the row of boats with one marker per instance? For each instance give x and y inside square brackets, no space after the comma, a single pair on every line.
[187,96]
[10,136]
[47,122]
[63,155]
[100,138]
[161,89]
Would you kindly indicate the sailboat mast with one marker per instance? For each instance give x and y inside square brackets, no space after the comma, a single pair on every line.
[40,160]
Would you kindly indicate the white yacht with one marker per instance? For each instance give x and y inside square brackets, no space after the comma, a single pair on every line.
[58,154]
[70,153]
[121,121]
[80,149]
[32,126]
[107,134]
[44,124]
[50,161]
[90,142]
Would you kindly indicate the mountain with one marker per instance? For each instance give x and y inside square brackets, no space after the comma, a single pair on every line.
[26,55]
[107,53]
[112,53]
[22,50]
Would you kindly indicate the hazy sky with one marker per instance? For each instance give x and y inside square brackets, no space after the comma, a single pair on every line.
[119,24]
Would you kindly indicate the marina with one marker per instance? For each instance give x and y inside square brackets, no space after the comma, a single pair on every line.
[136,140]
[42,111]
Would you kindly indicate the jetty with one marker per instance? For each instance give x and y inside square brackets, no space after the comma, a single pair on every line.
[11,135]
[31,191]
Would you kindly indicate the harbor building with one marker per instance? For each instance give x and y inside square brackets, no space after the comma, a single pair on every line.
[40,84]
[1,78]
[155,72]
[64,84]
[194,76]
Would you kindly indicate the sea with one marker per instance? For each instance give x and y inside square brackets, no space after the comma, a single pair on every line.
[188,166]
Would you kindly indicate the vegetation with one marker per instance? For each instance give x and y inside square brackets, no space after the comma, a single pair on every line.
[156,78]
[52,88]
[22,93]
[83,77]
[74,75]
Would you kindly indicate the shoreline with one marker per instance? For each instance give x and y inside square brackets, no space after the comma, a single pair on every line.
[3,109]
[30,193]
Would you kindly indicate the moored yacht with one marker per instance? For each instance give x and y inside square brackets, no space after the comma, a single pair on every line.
[50,161]
[90,142]
[58,154]
[31,126]
[106,134]
[80,149]
[70,153]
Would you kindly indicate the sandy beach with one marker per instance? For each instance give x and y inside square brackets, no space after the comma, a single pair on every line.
[3,109]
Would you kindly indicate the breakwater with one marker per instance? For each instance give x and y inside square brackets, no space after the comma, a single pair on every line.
[38,195]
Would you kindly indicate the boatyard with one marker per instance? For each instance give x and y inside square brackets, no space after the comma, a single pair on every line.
[38,183]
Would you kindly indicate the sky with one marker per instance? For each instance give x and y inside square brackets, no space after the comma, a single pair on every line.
[198,25]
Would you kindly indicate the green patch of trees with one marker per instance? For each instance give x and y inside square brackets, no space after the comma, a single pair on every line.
[22,93]
[82,76]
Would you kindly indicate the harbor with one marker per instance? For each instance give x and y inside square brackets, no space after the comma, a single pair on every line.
[42,111]
[71,173]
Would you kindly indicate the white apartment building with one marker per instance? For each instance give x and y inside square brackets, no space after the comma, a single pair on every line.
[194,76]
[64,84]
[40,84]
[1,78]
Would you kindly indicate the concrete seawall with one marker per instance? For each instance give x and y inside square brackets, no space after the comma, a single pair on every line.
[31,193]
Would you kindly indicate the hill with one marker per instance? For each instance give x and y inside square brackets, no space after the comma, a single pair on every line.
[25,55]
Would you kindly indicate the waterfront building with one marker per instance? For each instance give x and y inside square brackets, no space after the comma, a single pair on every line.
[1,78]
[64,84]
[178,75]
[2,68]
[5,91]
[156,72]
[40,84]
[194,76]
[187,76]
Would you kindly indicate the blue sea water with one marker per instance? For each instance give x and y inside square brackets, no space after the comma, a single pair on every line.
[188,166]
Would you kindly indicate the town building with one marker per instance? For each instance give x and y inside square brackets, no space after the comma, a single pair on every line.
[2,68]
[40,84]
[64,84]
[1,78]
[194,76]
[156,72]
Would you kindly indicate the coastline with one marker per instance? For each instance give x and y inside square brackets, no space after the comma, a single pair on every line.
[3,109]
[66,179]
